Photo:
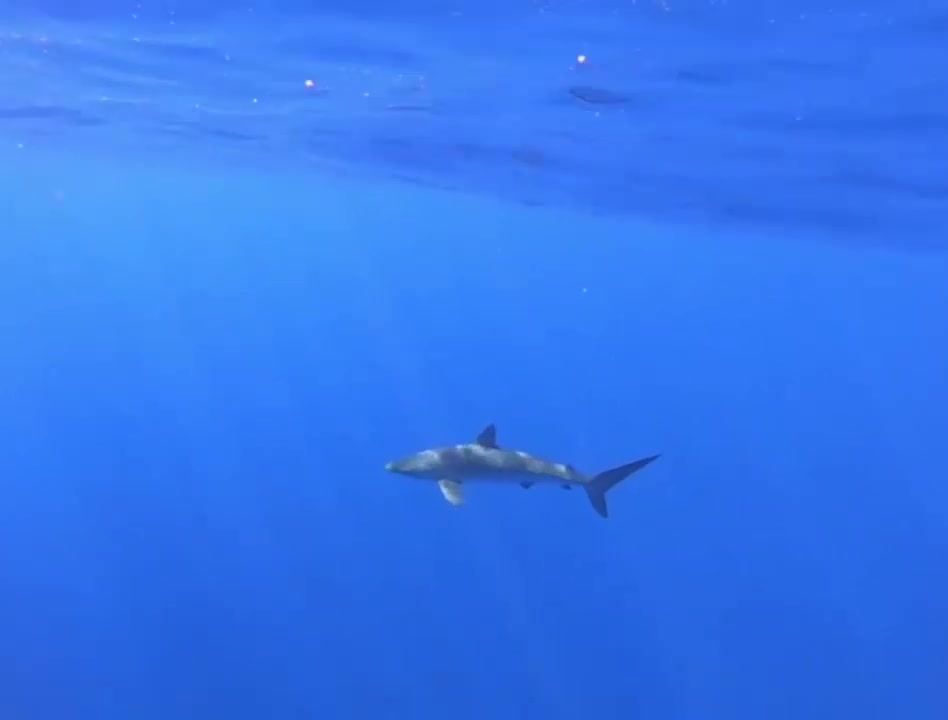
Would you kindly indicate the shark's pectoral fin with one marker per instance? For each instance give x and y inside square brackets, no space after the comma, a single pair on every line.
[526,484]
[567,487]
[453,492]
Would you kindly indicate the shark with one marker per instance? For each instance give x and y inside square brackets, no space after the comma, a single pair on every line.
[485,461]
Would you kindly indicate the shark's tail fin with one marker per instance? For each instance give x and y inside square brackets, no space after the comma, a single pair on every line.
[597,488]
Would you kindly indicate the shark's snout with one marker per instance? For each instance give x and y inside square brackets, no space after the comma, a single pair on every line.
[401,467]
[419,465]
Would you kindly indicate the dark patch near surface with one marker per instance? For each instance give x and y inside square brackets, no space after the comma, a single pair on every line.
[849,123]
[168,49]
[410,153]
[204,130]
[797,66]
[403,108]
[65,115]
[932,25]
[699,77]
[871,180]
[529,156]
[332,49]
[223,134]
[598,96]
[119,57]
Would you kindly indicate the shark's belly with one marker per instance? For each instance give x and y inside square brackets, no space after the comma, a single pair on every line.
[492,475]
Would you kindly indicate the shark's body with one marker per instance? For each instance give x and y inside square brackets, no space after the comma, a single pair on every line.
[484,461]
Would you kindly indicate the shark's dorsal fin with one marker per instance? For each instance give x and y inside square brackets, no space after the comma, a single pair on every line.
[488,437]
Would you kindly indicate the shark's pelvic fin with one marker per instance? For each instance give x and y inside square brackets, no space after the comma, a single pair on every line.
[453,492]
[526,484]
[604,481]
[488,437]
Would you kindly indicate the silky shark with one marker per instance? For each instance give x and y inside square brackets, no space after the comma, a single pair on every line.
[485,461]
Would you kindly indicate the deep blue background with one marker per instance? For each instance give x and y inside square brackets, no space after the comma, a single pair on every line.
[211,347]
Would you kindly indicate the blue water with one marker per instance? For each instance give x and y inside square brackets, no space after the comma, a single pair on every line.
[230,296]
